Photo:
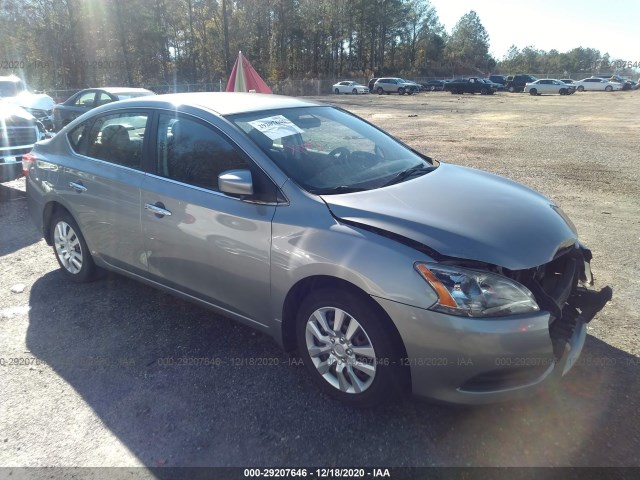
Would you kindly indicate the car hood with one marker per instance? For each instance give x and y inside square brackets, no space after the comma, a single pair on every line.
[36,101]
[464,213]
[11,113]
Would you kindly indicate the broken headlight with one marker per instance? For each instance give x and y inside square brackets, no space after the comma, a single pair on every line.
[475,293]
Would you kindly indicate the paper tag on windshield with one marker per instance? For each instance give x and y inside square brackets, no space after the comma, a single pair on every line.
[276,127]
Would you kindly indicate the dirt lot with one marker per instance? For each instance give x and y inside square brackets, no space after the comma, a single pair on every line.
[94,394]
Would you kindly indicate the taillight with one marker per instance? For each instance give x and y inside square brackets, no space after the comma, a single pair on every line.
[27,160]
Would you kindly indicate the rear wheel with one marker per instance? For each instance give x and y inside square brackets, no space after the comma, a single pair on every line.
[533,91]
[512,89]
[563,91]
[380,91]
[347,348]
[336,91]
[401,91]
[483,91]
[608,88]
[581,88]
[71,249]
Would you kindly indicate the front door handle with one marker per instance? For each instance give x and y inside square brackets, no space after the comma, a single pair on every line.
[78,187]
[158,209]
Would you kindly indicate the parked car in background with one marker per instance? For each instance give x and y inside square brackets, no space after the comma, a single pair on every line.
[626,83]
[309,224]
[597,84]
[90,98]
[547,86]
[500,80]
[417,86]
[372,82]
[518,82]
[349,86]
[397,85]
[470,85]
[434,85]
[19,131]
[40,105]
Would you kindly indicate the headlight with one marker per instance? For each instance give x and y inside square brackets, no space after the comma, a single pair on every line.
[474,293]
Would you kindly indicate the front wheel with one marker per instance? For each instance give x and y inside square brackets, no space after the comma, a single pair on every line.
[401,91]
[336,91]
[581,88]
[347,347]
[70,249]
[354,91]
[483,91]
[380,91]
[608,88]
[512,89]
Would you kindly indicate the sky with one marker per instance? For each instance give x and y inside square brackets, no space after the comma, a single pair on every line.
[607,25]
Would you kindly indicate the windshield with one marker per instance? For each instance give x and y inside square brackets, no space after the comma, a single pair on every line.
[326,150]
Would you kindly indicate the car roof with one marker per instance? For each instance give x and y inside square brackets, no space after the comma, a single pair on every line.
[117,90]
[222,103]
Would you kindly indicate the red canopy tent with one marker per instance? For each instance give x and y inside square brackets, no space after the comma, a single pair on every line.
[244,78]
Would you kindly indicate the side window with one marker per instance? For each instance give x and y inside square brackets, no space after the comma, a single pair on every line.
[103,99]
[194,153]
[118,138]
[85,100]
[76,137]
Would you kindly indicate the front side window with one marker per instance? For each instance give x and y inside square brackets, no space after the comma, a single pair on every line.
[85,100]
[194,153]
[118,138]
[326,150]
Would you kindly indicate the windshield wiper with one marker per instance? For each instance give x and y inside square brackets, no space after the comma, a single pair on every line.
[419,169]
[338,189]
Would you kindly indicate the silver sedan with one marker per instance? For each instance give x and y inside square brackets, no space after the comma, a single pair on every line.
[387,271]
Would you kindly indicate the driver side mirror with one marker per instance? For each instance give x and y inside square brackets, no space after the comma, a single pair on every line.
[236,182]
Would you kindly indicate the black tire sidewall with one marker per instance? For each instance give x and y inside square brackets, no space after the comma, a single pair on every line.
[389,380]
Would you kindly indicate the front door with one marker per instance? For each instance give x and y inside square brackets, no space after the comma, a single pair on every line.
[198,240]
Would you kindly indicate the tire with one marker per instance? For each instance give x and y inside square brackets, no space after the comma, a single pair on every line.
[533,91]
[336,91]
[70,249]
[380,91]
[512,89]
[401,91]
[563,91]
[483,91]
[608,88]
[581,88]
[359,348]
[354,91]
[433,88]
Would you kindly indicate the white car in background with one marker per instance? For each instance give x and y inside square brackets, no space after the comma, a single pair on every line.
[596,83]
[549,86]
[349,87]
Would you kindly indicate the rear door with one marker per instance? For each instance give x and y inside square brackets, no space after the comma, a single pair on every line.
[102,185]
[198,240]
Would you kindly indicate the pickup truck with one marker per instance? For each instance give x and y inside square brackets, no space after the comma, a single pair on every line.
[470,85]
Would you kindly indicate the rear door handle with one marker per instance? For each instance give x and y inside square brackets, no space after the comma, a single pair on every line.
[78,187]
[158,209]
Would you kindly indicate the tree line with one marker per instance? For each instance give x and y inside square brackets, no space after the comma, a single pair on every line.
[82,43]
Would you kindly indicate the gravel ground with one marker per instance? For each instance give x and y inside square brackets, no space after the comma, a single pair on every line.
[94,393]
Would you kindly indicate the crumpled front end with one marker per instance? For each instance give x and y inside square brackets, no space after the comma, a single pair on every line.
[472,361]
[561,287]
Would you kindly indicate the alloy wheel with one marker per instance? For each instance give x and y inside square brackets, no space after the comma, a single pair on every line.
[68,247]
[340,350]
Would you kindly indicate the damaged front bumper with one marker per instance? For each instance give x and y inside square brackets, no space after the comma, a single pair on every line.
[483,360]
